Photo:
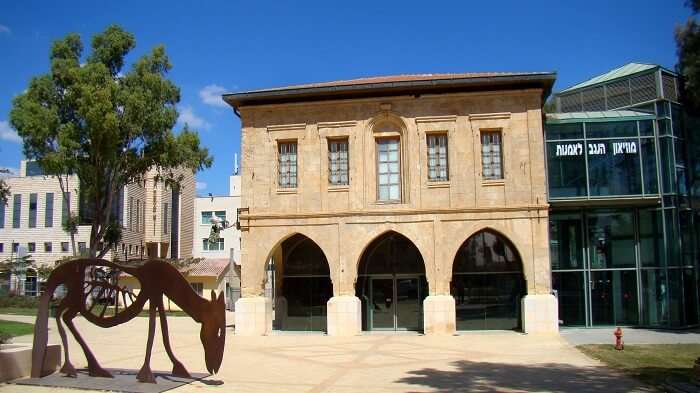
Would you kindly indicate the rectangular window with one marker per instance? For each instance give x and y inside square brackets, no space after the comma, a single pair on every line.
[31,247]
[491,155]
[338,162]
[32,210]
[198,287]
[165,218]
[82,247]
[48,247]
[388,170]
[437,157]
[15,247]
[16,210]
[66,207]
[2,215]
[221,214]
[218,246]
[48,214]
[64,246]
[2,247]
[206,216]
[131,213]
[287,165]
[138,215]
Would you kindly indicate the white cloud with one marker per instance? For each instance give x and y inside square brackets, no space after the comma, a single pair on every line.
[200,185]
[211,95]
[13,171]
[188,116]
[8,134]
[5,29]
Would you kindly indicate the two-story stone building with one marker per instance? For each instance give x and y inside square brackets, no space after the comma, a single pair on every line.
[412,202]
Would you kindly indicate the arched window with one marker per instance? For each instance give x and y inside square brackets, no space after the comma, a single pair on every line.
[487,283]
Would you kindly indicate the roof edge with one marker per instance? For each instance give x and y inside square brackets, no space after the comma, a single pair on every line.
[258,97]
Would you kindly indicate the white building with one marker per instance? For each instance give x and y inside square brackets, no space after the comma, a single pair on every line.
[228,247]
[151,215]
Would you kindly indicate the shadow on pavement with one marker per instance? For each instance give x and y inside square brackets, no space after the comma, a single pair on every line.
[550,377]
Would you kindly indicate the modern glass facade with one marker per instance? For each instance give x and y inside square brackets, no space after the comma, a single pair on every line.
[621,179]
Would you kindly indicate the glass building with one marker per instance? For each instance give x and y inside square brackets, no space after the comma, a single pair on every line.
[622,165]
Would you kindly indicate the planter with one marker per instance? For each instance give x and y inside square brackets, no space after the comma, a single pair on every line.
[16,360]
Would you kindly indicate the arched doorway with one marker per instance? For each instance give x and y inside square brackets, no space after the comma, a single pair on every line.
[391,284]
[303,285]
[487,283]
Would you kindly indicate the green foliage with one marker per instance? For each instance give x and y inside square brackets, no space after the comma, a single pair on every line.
[14,301]
[70,224]
[4,188]
[106,126]
[688,48]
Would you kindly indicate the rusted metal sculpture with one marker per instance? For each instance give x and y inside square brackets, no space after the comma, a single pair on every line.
[92,290]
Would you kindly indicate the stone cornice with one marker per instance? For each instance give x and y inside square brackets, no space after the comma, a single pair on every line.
[337,124]
[436,119]
[286,127]
[489,116]
[392,212]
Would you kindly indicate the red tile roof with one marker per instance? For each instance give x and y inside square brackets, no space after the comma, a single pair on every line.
[208,268]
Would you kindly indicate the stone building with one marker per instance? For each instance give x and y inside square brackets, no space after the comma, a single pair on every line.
[412,202]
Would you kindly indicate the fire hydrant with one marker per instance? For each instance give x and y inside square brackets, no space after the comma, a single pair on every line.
[619,344]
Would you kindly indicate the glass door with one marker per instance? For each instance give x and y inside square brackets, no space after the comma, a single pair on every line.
[382,303]
[397,303]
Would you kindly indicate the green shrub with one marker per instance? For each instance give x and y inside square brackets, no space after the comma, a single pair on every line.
[19,301]
[5,337]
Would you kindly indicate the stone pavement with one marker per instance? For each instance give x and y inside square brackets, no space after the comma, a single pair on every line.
[473,362]
[580,336]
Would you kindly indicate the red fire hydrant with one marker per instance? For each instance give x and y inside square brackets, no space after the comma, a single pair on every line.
[619,344]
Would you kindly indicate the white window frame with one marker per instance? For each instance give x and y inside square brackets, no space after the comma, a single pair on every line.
[387,163]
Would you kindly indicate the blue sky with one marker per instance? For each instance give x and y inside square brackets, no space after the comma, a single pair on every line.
[227,45]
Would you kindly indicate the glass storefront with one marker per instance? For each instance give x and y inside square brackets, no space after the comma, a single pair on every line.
[609,268]
[487,283]
[601,159]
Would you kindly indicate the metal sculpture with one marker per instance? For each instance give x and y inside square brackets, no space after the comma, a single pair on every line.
[91,285]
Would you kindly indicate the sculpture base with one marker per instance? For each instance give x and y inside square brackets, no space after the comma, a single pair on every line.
[123,381]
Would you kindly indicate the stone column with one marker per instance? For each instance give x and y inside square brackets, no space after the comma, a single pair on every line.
[253,316]
[540,314]
[344,316]
[439,315]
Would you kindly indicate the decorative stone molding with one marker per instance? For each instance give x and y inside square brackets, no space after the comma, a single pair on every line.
[337,124]
[436,119]
[286,127]
[489,116]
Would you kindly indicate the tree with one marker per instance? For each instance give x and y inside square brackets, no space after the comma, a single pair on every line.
[688,48]
[87,118]
[4,188]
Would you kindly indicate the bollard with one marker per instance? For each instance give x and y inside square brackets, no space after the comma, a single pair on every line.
[619,344]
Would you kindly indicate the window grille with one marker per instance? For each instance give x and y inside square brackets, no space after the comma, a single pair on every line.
[491,155]
[437,157]
[287,165]
[618,94]
[388,170]
[643,88]
[593,99]
[338,162]
[669,85]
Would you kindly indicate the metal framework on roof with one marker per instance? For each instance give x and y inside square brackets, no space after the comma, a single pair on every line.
[597,116]
[630,85]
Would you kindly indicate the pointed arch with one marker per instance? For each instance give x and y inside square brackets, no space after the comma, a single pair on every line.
[487,282]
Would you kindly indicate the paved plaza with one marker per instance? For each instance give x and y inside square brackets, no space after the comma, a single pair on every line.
[474,362]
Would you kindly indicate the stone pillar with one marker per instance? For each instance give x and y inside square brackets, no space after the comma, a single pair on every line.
[253,316]
[540,314]
[344,315]
[439,315]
